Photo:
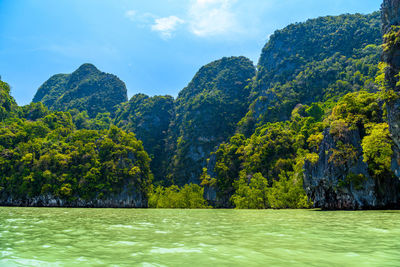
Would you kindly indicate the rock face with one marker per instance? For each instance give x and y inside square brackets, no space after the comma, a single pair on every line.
[207,112]
[390,14]
[391,56]
[342,181]
[339,186]
[126,199]
[86,89]
[289,49]
[149,118]
[345,182]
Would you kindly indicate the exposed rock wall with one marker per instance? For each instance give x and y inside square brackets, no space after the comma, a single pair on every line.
[125,199]
[390,14]
[391,56]
[206,114]
[339,186]
[349,185]
[344,182]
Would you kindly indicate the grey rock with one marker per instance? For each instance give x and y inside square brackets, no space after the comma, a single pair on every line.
[125,199]
[391,17]
[349,185]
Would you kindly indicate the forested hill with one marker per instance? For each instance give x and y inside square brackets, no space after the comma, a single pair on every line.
[316,129]
[290,49]
[310,62]
[86,89]
[307,128]
[46,161]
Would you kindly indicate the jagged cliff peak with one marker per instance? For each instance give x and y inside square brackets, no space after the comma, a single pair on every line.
[86,89]
[390,13]
[207,111]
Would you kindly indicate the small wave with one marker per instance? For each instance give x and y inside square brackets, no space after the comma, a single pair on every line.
[174,250]
[379,230]
[15,220]
[122,226]
[127,243]
[161,232]
[29,262]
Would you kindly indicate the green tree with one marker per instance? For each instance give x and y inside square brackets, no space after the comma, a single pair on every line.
[377,148]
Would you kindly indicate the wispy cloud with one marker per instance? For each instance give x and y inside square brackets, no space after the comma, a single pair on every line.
[203,18]
[130,14]
[211,17]
[166,26]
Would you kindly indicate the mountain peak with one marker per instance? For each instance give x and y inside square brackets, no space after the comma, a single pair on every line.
[87,88]
[86,68]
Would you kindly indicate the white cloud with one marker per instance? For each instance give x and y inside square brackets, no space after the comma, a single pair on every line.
[204,18]
[130,14]
[212,17]
[166,26]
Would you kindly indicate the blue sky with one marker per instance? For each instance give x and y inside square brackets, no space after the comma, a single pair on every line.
[154,46]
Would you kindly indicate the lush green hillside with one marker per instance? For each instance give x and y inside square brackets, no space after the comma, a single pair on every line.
[7,102]
[149,118]
[44,160]
[348,145]
[307,128]
[207,112]
[303,100]
[311,62]
[86,89]
[318,81]
[290,49]
[246,172]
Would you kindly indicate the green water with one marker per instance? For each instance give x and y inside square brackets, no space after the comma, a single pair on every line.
[135,237]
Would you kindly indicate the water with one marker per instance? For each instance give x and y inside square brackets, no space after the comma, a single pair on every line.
[140,237]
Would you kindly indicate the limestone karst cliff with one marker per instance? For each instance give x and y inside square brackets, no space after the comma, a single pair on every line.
[351,184]
[86,89]
[391,56]
[316,129]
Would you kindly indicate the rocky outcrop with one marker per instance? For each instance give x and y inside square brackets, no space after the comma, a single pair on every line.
[340,178]
[86,89]
[391,56]
[149,118]
[390,14]
[126,199]
[330,185]
[211,193]
[206,114]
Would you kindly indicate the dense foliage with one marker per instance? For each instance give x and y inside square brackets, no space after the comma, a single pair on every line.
[290,49]
[86,89]
[304,70]
[263,166]
[46,156]
[316,87]
[265,170]
[190,196]
[319,81]
[319,60]
[7,103]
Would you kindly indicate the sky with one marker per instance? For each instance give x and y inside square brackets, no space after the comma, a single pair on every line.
[154,46]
